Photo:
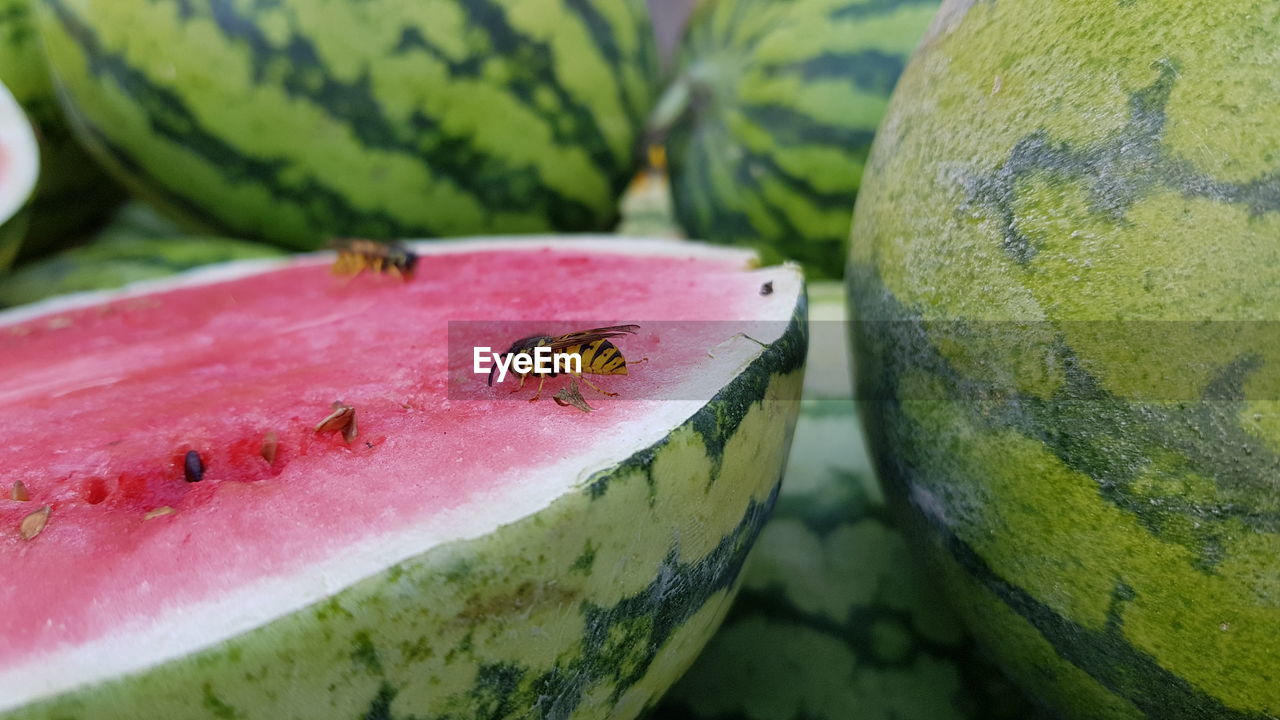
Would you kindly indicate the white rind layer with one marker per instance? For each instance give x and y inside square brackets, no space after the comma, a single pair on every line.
[19,157]
[176,632]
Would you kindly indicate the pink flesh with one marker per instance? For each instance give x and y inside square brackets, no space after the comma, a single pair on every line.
[99,405]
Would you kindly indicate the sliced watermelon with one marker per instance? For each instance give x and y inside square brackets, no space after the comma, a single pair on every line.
[467,554]
[19,168]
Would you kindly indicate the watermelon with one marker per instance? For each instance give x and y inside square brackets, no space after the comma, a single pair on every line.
[295,121]
[165,564]
[834,622]
[19,169]
[116,261]
[73,192]
[1065,275]
[769,121]
[136,220]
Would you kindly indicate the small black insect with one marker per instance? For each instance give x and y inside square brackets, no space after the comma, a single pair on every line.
[767,288]
[193,467]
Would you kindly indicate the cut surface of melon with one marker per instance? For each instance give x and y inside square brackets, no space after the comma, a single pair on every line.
[103,397]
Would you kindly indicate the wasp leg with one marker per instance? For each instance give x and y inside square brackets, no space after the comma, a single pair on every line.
[538,392]
[589,384]
[521,385]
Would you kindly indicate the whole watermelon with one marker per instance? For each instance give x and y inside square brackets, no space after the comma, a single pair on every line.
[772,114]
[1065,275]
[293,121]
[833,621]
[73,192]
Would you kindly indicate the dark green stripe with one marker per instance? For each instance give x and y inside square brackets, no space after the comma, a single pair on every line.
[603,37]
[335,208]
[172,120]
[870,70]
[534,64]
[741,34]
[1117,171]
[705,215]
[488,178]
[872,8]
[753,162]
[484,176]
[1090,430]
[1104,654]
[791,127]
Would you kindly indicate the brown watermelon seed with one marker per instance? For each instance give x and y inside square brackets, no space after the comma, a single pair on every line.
[270,444]
[33,524]
[343,418]
[159,512]
[193,467]
[19,491]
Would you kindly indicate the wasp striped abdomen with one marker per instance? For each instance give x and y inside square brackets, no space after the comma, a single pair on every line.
[597,354]
[600,358]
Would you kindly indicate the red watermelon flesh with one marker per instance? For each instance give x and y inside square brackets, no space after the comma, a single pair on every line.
[101,401]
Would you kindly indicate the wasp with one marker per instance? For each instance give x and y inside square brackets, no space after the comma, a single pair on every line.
[355,256]
[599,356]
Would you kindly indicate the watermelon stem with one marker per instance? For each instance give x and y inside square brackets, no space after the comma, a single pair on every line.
[672,106]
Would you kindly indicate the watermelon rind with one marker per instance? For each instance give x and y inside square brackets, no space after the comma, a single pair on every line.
[584,594]
[771,115]
[1065,281]
[73,192]
[294,122]
[19,171]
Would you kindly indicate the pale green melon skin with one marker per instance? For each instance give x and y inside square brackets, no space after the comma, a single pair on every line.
[1095,484]
[834,621]
[587,609]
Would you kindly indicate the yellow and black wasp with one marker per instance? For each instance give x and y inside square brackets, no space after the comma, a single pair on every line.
[599,356]
[355,256]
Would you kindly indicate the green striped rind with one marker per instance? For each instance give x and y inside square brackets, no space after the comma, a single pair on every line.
[558,615]
[297,121]
[114,262]
[833,621]
[73,193]
[782,100]
[1081,202]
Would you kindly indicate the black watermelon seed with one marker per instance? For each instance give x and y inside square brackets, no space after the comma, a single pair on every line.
[193,467]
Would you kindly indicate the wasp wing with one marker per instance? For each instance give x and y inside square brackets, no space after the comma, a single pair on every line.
[589,336]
